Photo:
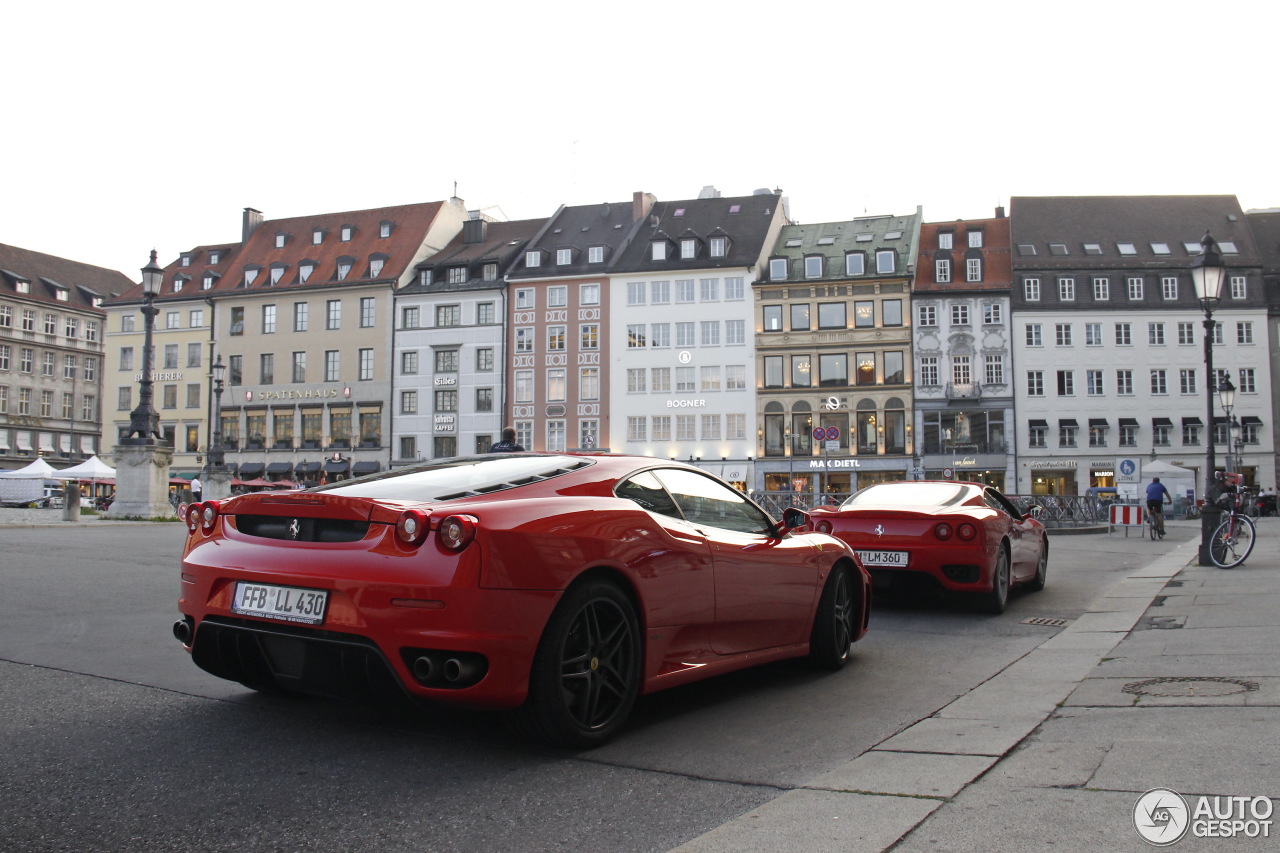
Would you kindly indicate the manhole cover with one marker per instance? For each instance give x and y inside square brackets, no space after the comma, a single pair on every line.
[1189,687]
[1050,621]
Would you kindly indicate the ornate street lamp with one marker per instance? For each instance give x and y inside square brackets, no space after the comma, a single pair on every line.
[144,421]
[216,453]
[1207,274]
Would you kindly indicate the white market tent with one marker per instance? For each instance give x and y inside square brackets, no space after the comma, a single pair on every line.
[38,469]
[1179,481]
[92,468]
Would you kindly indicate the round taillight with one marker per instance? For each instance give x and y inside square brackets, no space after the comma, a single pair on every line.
[456,531]
[191,516]
[823,527]
[412,527]
[966,531]
[942,531]
[208,515]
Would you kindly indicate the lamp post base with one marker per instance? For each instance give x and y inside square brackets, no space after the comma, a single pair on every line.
[142,481]
[1210,518]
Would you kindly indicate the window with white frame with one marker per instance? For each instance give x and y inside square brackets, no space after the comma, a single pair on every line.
[1066,383]
[1239,287]
[1187,380]
[1097,436]
[684,290]
[1067,435]
[685,380]
[1035,383]
[686,334]
[1037,436]
[1101,289]
[735,377]
[1169,287]
[635,293]
[688,248]
[710,427]
[709,377]
[734,288]
[660,335]
[524,299]
[557,384]
[927,315]
[719,246]
[1093,383]
[533,258]
[1128,435]
[709,290]
[524,339]
[929,370]
[855,263]
[1190,433]
[975,239]
[813,266]
[686,428]
[1134,285]
[564,257]
[1248,381]
[973,269]
[662,428]
[524,386]
[1155,334]
[1124,334]
[886,261]
[636,337]
[658,250]
[993,370]
[942,270]
[946,239]
[959,314]
[1159,381]
[589,294]
[1067,289]
[366,364]
[777,269]
[589,336]
[1093,334]
[556,338]
[1244,332]
[1062,334]
[710,333]
[735,332]
[556,435]
[595,254]
[1031,289]
[660,380]
[637,428]
[588,383]
[1124,382]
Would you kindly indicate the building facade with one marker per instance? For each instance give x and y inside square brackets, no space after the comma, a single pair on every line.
[1110,339]
[963,352]
[451,344]
[833,351]
[680,352]
[51,357]
[558,322]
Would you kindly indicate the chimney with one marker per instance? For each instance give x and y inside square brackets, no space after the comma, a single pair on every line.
[1000,211]
[474,230]
[252,219]
[641,204]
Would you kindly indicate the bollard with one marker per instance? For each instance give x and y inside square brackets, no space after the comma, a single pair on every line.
[71,503]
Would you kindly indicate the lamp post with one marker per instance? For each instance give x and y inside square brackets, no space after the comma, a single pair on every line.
[1207,274]
[216,453]
[1226,396]
[144,421]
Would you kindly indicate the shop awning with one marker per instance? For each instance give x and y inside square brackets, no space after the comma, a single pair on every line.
[250,470]
[303,469]
[1099,422]
[1161,422]
[86,444]
[1067,422]
[363,468]
[1194,421]
[280,468]
[1037,423]
[1217,419]
[1133,422]
[1251,419]
[340,466]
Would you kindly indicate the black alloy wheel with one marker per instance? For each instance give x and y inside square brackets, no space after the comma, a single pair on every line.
[1042,569]
[994,602]
[586,673]
[835,623]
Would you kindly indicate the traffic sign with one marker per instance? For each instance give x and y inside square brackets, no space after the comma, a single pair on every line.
[820,434]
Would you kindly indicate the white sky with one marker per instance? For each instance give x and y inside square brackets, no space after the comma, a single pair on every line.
[135,125]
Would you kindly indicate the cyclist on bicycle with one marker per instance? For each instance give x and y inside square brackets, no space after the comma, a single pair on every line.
[1157,497]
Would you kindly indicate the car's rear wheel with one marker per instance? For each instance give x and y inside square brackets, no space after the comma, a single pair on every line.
[994,601]
[836,622]
[1042,569]
[586,672]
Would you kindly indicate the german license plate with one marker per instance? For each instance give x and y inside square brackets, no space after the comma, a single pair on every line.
[286,603]
[884,558]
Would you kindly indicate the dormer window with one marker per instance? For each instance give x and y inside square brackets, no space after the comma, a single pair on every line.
[719,246]
[490,272]
[564,257]
[778,269]
[22,286]
[457,275]
[688,248]
[384,228]
[345,234]
[813,266]
[376,264]
[424,277]
[945,239]
[215,257]
[60,294]
[277,272]
[344,267]
[317,236]
[209,279]
[855,263]
[304,271]
[658,250]
[250,275]
[533,259]
[178,282]
[281,239]
[186,260]
[975,239]
[886,261]
[595,255]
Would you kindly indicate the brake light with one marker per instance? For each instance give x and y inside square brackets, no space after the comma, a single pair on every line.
[412,527]
[208,515]
[966,531]
[942,531]
[823,527]
[456,531]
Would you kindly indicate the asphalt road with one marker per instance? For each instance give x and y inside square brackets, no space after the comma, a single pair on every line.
[115,741]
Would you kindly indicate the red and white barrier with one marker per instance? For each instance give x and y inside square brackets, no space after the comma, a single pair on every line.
[1126,516]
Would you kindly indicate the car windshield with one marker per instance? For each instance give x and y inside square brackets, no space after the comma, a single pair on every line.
[911,494]
[460,477]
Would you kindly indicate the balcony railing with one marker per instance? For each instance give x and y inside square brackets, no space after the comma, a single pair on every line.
[964,447]
[964,391]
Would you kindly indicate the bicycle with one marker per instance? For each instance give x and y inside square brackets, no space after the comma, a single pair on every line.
[1232,540]
[1154,530]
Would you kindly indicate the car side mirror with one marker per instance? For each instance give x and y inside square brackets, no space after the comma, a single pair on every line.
[792,519]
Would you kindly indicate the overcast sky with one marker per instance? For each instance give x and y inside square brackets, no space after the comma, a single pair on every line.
[138,125]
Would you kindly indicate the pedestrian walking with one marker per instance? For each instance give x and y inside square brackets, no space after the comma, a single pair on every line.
[508,443]
[197,489]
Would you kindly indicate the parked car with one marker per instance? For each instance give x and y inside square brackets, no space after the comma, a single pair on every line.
[560,585]
[966,537]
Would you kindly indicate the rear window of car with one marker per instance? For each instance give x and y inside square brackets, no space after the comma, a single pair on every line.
[911,494]
[460,477]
